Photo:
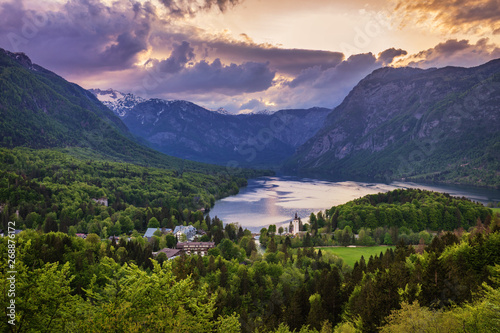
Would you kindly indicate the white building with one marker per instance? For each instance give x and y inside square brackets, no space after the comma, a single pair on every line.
[295,225]
[189,231]
[200,248]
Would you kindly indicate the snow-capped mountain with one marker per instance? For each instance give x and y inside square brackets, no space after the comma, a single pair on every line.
[118,102]
[184,129]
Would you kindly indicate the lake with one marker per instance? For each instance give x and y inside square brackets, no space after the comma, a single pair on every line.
[275,200]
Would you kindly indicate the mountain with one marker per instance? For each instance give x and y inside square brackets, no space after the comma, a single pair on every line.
[39,109]
[183,129]
[427,125]
[116,101]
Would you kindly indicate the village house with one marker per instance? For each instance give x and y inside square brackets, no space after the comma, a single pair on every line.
[150,232]
[189,231]
[170,253]
[200,248]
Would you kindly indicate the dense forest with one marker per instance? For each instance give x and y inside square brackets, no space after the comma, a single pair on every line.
[55,190]
[65,283]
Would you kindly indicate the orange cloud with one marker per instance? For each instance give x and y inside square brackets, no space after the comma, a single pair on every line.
[471,16]
[453,52]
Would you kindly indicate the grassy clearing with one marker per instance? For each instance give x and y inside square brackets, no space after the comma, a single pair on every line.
[496,210]
[352,254]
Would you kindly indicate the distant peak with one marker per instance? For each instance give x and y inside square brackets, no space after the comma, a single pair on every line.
[222,111]
[265,112]
[120,103]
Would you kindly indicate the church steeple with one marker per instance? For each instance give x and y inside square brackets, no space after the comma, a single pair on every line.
[295,225]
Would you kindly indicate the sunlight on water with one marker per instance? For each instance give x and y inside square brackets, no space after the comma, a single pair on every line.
[275,200]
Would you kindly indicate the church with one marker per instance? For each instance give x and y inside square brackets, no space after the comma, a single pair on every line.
[295,225]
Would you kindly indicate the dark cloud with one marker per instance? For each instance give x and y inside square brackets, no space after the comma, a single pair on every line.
[454,52]
[181,55]
[203,76]
[451,46]
[454,15]
[183,8]
[232,79]
[290,61]
[12,13]
[387,57]
[348,71]
[82,36]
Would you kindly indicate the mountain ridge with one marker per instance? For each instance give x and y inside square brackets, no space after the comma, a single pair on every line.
[413,124]
[187,130]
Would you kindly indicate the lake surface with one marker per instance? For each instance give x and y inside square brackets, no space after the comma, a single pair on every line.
[275,200]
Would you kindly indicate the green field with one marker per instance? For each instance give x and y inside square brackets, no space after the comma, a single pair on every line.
[352,254]
[496,210]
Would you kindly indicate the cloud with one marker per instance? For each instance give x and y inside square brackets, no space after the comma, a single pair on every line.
[387,57]
[189,8]
[347,72]
[454,52]
[181,55]
[285,60]
[289,61]
[175,75]
[453,15]
[231,79]
[136,47]
[252,106]
[80,35]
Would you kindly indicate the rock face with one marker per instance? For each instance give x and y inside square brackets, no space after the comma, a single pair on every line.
[183,129]
[407,122]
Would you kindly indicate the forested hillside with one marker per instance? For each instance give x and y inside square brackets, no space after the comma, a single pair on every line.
[64,150]
[52,190]
[65,283]
[40,109]
[415,209]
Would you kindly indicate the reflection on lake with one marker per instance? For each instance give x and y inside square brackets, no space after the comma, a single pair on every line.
[275,200]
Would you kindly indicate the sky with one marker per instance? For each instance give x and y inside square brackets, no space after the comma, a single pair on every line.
[246,55]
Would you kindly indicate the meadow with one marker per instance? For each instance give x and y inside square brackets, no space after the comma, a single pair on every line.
[352,254]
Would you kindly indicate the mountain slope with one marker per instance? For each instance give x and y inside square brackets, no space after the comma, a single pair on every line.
[186,130]
[433,125]
[52,111]
[39,109]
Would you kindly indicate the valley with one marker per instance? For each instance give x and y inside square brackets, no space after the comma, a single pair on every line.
[126,213]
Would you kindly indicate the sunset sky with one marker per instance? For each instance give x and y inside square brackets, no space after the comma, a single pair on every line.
[246,55]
